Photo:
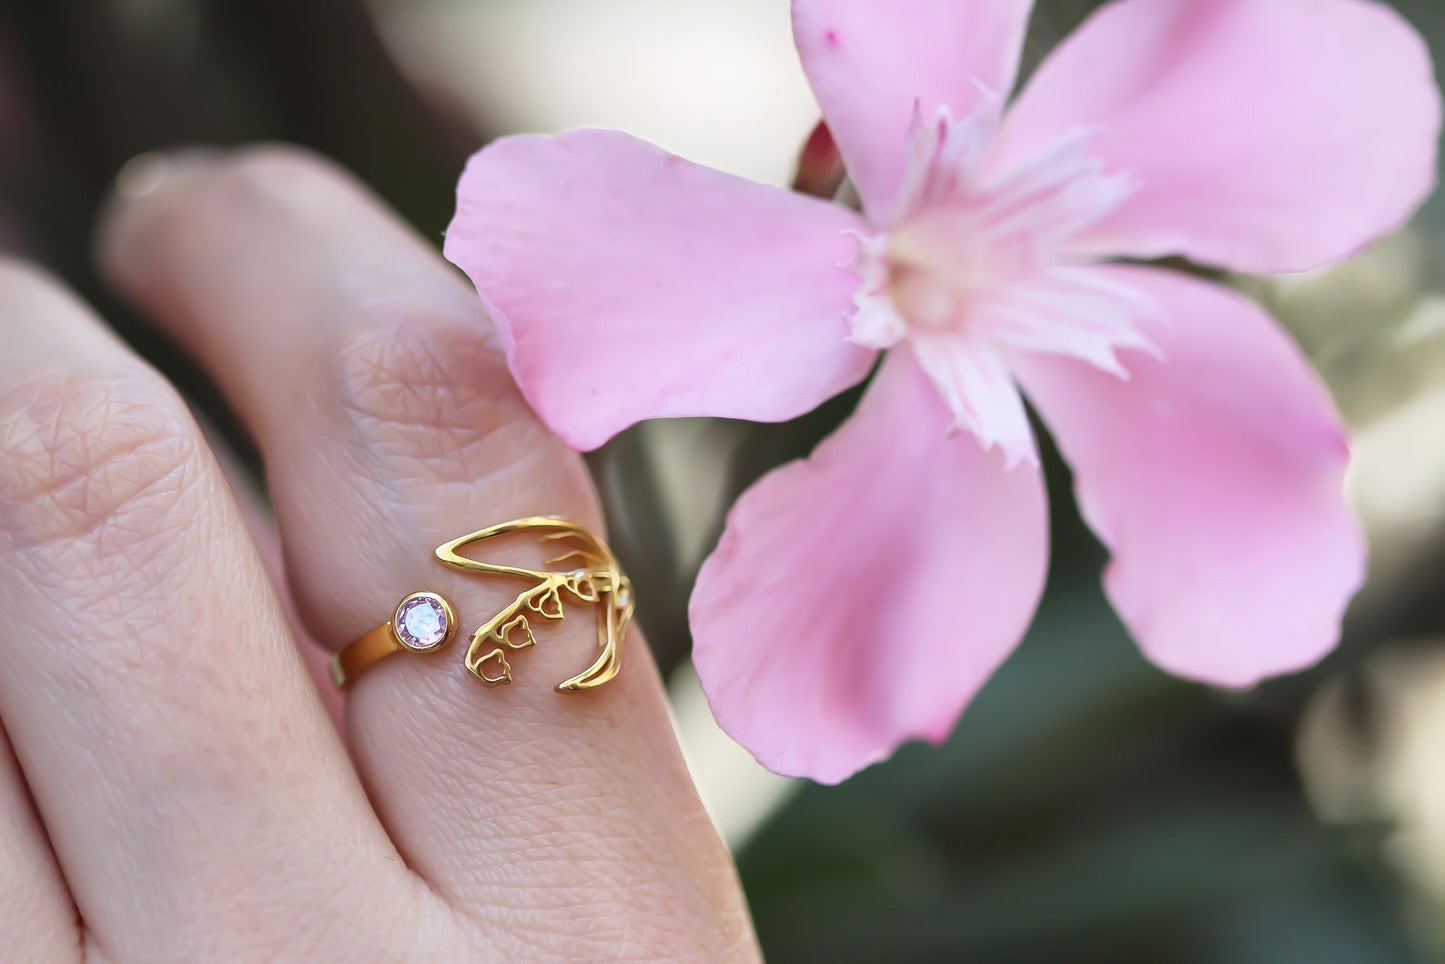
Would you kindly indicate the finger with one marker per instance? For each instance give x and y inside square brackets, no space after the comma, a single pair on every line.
[389,425]
[199,803]
[37,918]
[262,527]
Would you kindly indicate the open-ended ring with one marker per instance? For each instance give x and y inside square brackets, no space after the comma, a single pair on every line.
[424,622]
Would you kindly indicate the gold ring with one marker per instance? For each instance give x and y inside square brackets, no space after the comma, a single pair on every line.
[424,622]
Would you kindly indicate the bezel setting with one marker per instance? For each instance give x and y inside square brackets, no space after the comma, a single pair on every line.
[405,625]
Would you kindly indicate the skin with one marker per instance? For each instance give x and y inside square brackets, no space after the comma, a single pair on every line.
[177,790]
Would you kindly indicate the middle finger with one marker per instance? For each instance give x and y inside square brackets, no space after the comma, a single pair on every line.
[389,424]
[198,801]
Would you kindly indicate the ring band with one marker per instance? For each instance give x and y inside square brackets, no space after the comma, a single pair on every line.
[424,622]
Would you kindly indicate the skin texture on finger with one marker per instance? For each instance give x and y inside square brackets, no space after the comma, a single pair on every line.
[37,918]
[262,527]
[565,826]
[197,798]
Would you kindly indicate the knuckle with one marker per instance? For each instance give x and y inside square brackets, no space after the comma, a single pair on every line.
[102,489]
[426,387]
[96,463]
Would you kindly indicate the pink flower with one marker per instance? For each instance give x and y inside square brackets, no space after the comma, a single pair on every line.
[862,596]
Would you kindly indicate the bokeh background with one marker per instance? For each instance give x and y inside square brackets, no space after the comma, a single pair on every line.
[1089,808]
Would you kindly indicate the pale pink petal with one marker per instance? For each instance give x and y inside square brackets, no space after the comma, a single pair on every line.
[1262,135]
[872,64]
[1215,475]
[627,283]
[1072,310]
[861,597]
[972,378]
[942,156]
[875,322]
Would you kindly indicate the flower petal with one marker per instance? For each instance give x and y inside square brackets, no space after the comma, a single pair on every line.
[972,378]
[627,283]
[1215,475]
[872,64]
[1264,135]
[860,597]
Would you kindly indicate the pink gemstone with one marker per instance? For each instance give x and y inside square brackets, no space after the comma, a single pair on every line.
[421,623]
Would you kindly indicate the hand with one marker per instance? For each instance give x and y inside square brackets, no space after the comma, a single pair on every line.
[191,800]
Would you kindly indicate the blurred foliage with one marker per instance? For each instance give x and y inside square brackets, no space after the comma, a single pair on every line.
[1089,808]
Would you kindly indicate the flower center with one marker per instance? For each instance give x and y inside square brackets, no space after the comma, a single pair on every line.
[924,300]
[943,267]
[976,266]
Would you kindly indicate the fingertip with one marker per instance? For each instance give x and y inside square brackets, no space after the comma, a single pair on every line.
[137,198]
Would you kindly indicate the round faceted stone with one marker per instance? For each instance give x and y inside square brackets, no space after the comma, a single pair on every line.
[422,622]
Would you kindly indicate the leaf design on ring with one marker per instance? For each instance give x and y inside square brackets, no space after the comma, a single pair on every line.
[594,576]
[504,634]
[505,674]
[549,603]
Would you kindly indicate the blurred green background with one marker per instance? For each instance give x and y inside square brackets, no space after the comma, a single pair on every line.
[1089,808]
